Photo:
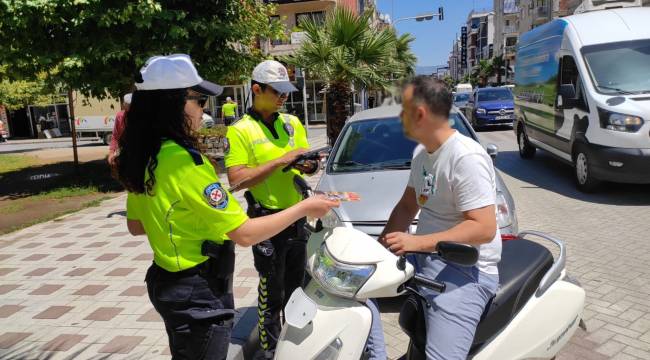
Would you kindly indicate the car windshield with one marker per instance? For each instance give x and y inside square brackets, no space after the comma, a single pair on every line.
[495,95]
[461,97]
[620,68]
[379,144]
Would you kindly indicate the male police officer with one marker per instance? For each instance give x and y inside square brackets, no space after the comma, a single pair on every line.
[257,147]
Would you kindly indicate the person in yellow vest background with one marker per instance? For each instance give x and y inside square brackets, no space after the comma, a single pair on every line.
[176,199]
[257,147]
[228,111]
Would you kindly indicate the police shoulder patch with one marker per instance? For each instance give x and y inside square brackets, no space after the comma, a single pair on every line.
[216,196]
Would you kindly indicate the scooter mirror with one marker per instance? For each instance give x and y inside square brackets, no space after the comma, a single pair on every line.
[461,254]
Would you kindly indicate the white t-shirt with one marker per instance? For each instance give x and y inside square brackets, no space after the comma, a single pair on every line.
[457,177]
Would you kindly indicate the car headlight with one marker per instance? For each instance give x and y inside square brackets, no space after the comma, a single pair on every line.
[339,278]
[480,111]
[503,211]
[331,220]
[619,122]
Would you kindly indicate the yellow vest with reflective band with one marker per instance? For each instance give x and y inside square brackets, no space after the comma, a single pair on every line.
[228,109]
[251,143]
[188,205]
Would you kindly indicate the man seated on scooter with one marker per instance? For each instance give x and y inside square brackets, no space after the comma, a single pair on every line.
[452,185]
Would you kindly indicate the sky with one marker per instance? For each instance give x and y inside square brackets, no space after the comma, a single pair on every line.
[434,38]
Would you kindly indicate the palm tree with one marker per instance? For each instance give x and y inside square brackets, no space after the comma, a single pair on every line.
[405,58]
[498,64]
[348,50]
[483,71]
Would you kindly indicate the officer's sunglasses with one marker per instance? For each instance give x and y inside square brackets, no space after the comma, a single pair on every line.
[277,93]
[201,99]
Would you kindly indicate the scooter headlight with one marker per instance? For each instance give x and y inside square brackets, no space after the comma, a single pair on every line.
[336,277]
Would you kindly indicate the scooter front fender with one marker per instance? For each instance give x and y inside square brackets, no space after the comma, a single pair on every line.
[339,330]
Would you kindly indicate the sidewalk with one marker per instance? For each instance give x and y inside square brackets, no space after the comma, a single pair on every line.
[73,288]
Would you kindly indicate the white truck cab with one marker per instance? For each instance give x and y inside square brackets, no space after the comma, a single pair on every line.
[583,94]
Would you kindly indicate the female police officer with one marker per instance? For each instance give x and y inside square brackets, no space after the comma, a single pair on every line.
[176,199]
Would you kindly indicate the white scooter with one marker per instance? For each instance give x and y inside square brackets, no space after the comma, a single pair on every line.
[533,315]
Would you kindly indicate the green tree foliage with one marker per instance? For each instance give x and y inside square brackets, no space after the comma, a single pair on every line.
[96,46]
[483,71]
[348,50]
[498,66]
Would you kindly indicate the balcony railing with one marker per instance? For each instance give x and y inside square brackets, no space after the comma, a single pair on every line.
[541,12]
[510,29]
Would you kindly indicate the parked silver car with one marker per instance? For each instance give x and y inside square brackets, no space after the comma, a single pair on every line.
[372,157]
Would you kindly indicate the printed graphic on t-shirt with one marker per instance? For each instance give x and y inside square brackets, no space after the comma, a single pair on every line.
[428,187]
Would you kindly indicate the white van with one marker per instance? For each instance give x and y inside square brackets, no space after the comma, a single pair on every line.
[583,94]
[463,88]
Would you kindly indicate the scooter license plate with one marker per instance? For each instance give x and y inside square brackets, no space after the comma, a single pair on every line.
[300,309]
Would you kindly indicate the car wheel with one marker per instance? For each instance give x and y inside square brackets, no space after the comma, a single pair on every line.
[108,137]
[585,180]
[526,149]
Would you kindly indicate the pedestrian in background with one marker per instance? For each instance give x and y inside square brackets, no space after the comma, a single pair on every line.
[118,128]
[229,111]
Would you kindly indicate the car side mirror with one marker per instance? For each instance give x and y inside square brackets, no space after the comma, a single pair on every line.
[493,151]
[566,98]
[461,254]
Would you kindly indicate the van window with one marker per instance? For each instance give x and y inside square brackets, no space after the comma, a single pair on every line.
[569,75]
[620,68]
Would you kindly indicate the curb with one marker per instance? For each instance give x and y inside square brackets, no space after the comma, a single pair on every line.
[241,333]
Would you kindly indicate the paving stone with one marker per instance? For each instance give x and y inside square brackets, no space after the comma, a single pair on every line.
[96,244]
[104,313]
[90,290]
[610,348]
[134,291]
[46,289]
[144,257]
[107,257]
[9,339]
[121,344]
[132,244]
[40,271]
[4,289]
[5,271]
[53,312]
[63,342]
[31,245]
[5,256]
[120,272]
[150,316]
[87,235]
[79,272]
[70,257]
[8,310]
[35,257]
[63,245]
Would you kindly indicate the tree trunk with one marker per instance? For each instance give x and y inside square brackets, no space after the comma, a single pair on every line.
[499,76]
[339,97]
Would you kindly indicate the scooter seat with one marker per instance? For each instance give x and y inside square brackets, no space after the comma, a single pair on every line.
[522,267]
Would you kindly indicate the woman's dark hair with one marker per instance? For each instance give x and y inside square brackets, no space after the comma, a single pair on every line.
[154,116]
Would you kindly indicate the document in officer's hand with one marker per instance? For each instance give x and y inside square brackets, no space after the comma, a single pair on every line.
[342,195]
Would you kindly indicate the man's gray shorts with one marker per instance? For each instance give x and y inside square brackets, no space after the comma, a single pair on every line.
[453,316]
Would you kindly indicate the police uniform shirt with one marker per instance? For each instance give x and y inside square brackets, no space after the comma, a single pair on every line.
[251,142]
[189,205]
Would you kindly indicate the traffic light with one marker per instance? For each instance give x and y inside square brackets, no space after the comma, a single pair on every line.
[441,13]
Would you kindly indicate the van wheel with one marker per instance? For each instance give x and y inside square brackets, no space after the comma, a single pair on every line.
[108,137]
[585,181]
[526,149]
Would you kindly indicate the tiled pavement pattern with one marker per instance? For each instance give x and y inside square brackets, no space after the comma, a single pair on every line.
[73,288]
